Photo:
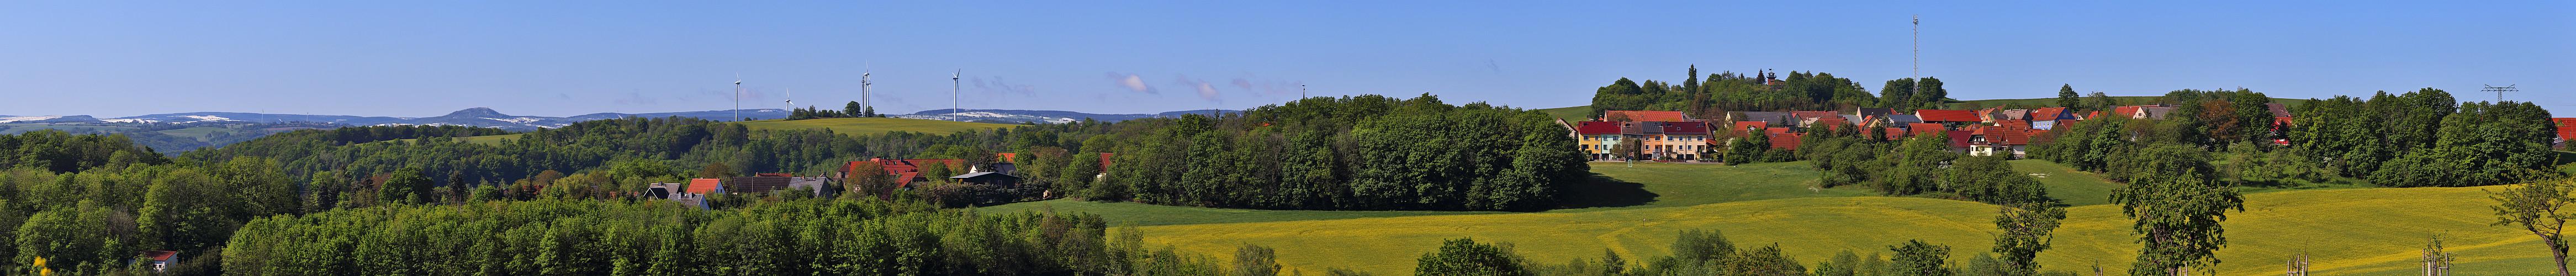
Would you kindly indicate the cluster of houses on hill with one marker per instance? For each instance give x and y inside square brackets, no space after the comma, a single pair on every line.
[1674,135]
[904,174]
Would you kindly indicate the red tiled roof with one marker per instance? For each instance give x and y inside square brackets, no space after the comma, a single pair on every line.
[2013,124]
[1776,130]
[2091,115]
[2566,128]
[1104,161]
[1591,127]
[1959,138]
[1831,124]
[1936,115]
[1754,125]
[2048,113]
[1648,116]
[157,255]
[1922,128]
[1813,114]
[2008,136]
[1785,140]
[1007,157]
[2034,136]
[2129,111]
[704,185]
[1895,133]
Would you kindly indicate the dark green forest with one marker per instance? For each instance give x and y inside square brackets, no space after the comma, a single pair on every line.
[1356,153]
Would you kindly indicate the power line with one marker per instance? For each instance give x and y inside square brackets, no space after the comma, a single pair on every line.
[2500,91]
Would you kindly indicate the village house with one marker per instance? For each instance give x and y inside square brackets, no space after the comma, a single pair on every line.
[159,261]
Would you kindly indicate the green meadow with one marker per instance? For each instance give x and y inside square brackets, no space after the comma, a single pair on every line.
[1635,211]
[2346,232]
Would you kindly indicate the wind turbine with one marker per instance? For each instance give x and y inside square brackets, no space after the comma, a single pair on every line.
[737,97]
[952,94]
[791,100]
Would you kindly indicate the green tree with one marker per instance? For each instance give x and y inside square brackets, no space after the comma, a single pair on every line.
[855,110]
[1917,258]
[1255,260]
[2026,232]
[2536,207]
[2178,204]
[1465,257]
[2066,96]
[406,185]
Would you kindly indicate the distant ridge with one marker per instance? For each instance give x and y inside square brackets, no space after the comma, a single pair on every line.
[487,117]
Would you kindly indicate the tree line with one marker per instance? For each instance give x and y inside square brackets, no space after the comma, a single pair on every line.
[1712,97]
[651,237]
[1353,153]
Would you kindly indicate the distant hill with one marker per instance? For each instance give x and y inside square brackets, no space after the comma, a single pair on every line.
[1041,116]
[486,117]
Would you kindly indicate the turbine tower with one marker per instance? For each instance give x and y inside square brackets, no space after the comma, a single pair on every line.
[791,101]
[737,97]
[863,92]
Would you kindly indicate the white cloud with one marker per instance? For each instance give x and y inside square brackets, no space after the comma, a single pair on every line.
[1132,83]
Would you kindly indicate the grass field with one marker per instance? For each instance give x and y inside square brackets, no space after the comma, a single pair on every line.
[2067,185]
[1571,113]
[2346,232]
[873,125]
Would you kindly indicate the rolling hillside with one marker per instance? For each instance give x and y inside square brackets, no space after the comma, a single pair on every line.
[2346,232]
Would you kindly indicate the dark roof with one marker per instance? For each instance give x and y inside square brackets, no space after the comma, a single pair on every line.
[1595,127]
[1865,111]
[2278,110]
[1959,138]
[1904,118]
[1685,128]
[1775,118]
[1937,115]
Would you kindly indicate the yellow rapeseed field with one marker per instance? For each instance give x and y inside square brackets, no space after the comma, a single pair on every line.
[2345,232]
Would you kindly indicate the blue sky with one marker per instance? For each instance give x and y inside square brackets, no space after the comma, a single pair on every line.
[562,58]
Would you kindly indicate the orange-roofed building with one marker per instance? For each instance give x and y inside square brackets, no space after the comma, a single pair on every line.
[1742,128]
[1894,134]
[704,186]
[1923,128]
[905,170]
[2566,128]
[1785,140]
[1645,116]
[1947,116]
